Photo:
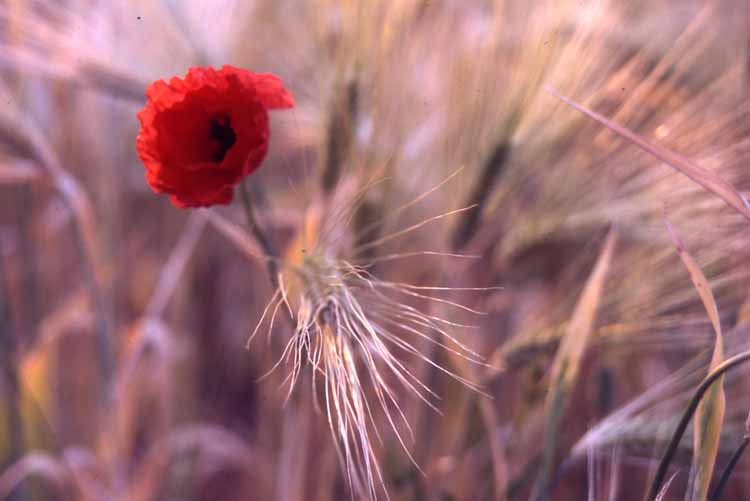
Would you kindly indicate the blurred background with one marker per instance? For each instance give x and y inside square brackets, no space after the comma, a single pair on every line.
[124,320]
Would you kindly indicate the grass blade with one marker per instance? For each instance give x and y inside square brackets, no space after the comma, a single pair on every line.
[736,455]
[714,375]
[18,171]
[665,488]
[710,413]
[235,234]
[704,177]
[568,360]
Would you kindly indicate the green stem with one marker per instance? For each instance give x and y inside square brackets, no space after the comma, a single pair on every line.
[716,495]
[260,235]
[687,415]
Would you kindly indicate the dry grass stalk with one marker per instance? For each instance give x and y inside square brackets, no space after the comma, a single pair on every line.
[564,372]
[710,414]
[704,177]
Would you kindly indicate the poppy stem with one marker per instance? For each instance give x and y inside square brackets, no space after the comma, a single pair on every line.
[260,235]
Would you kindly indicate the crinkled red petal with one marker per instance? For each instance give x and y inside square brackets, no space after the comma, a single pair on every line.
[174,141]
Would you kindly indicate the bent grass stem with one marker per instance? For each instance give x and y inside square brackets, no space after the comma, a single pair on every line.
[687,415]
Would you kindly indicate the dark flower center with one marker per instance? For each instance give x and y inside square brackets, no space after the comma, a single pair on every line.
[222,137]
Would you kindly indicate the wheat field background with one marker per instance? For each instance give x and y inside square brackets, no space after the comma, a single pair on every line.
[542,295]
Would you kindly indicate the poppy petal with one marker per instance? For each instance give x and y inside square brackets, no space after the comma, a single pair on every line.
[202,134]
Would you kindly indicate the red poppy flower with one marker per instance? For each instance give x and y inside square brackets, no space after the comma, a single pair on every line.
[203,134]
